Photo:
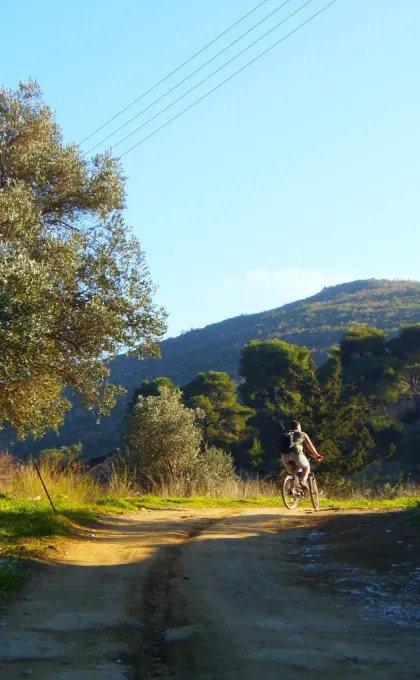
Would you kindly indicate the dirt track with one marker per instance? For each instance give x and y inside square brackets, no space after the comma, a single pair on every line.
[208,594]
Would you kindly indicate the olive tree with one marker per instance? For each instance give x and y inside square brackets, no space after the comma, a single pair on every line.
[75,290]
[163,439]
[214,472]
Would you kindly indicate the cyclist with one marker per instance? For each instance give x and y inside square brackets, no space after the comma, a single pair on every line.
[296,454]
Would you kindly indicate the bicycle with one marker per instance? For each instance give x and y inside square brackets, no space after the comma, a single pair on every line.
[293,492]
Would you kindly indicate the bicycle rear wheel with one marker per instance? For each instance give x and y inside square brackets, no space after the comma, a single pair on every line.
[287,492]
[313,489]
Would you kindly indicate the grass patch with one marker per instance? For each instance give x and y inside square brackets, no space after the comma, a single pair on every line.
[23,526]
[28,529]
[203,502]
[119,503]
[256,501]
[373,504]
[20,519]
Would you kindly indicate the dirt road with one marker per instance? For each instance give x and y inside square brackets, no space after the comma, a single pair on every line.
[222,594]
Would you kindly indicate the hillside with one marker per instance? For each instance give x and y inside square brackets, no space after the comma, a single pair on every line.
[316,322]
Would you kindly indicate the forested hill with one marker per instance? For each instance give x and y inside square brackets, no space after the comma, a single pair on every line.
[316,322]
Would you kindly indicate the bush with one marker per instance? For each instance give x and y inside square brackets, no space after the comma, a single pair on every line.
[214,473]
[64,458]
[164,440]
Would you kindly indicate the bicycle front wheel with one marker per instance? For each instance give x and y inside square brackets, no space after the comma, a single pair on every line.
[288,493]
[313,489]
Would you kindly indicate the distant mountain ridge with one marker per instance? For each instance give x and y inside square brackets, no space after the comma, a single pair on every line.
[317,322]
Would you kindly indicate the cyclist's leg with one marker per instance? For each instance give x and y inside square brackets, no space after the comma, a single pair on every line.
[289,465]
[306,468]
[305,475]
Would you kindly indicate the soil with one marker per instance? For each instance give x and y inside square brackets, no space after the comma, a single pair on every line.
[207,594]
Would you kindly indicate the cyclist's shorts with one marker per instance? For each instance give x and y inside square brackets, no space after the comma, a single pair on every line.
[298,458]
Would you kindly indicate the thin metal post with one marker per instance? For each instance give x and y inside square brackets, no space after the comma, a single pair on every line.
[45,488]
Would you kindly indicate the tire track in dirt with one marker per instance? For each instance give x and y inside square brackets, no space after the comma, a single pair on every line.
[156,609]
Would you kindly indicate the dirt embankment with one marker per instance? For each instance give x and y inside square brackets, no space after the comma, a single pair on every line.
[205,594]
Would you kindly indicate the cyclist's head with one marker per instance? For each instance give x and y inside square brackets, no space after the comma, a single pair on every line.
[295,425]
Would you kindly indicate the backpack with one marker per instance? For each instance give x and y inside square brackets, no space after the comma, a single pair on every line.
[286,443]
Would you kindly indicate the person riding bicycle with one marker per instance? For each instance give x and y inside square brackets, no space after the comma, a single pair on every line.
[296,455]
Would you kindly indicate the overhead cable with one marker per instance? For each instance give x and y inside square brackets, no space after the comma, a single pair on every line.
[204,96]
[188,77]
[203,49]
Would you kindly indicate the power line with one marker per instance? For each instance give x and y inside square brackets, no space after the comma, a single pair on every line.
[197,101]
[203,49]
[236,56]
[200,68]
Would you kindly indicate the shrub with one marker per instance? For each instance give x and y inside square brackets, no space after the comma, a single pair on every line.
[163,439]
[214,472]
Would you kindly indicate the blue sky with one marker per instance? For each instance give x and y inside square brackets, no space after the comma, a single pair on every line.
[301,172]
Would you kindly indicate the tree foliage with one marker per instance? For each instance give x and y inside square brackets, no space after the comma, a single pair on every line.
[277,382]
[215,394]
[256,454]
[149,388]
[74,286]
[406,349]
[65,457]
[276,375]
[339,419]
[369,366]
[163,438]
[362,341]
[283,384]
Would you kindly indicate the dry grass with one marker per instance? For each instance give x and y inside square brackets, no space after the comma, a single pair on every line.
[75,487]
[70,485]
[235,489]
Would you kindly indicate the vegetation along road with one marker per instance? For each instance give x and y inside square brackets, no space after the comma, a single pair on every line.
[223,593]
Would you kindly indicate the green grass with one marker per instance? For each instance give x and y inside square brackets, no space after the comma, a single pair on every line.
[27,528]
[203,502]
[261,501]
[375,504]
[20,520]
[118,503]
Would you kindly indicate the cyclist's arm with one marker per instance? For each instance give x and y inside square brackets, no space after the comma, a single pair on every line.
[312,449]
